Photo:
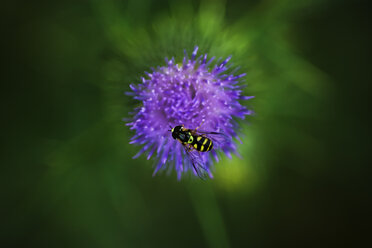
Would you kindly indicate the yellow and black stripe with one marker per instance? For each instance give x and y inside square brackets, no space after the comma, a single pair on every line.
[202,144]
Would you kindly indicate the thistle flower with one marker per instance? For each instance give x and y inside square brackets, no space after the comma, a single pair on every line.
[193,93]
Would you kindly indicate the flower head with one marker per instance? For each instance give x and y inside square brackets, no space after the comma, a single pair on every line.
[192,94]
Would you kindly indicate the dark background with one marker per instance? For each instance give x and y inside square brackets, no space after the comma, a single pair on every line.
[67,176]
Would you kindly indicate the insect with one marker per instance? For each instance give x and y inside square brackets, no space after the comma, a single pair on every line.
[192,139]
[194,142]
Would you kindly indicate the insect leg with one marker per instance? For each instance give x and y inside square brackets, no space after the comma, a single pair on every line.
[199,125]
[190,148]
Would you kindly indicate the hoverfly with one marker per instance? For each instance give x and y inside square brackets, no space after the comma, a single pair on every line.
[194,142]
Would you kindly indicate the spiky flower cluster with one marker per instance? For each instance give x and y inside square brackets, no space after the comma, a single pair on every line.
[191,93]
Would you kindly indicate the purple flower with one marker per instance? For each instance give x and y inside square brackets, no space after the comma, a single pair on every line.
[193,93]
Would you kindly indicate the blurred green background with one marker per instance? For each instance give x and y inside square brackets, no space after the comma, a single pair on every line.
[68,179]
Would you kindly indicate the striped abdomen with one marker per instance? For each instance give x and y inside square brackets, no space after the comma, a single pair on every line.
[202,144]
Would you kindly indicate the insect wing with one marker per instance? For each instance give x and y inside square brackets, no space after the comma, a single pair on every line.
[209,132]
[197,163]
[219,139]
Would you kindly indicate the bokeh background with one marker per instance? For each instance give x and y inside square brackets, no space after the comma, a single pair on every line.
[68,179]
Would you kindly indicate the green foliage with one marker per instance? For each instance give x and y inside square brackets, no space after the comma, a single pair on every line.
[71,180]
